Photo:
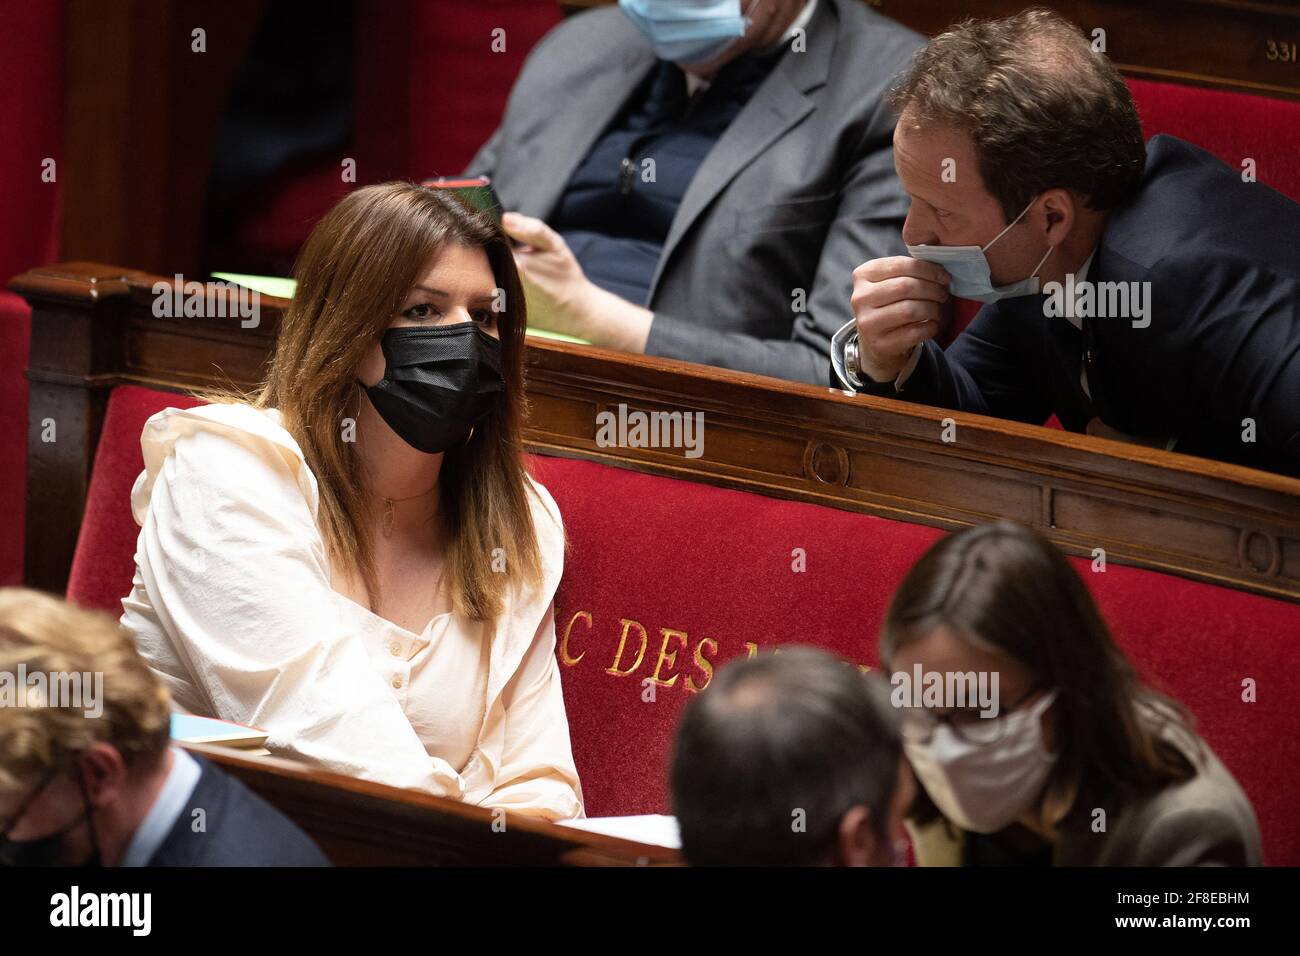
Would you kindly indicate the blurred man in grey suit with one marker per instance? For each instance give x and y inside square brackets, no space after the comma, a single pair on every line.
[698,179]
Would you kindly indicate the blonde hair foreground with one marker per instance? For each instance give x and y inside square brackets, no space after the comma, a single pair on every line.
[45,635]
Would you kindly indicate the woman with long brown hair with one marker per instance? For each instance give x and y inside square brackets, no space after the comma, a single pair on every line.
[354,558]
[1070,760]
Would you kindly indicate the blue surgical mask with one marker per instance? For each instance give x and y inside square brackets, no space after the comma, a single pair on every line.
[688,31]
[969,268]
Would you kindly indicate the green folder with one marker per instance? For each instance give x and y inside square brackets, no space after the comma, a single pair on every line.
[283,289]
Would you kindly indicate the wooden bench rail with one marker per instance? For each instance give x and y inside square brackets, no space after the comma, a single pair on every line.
[1248,46]
[360,823]
[1244,45]
[93,328]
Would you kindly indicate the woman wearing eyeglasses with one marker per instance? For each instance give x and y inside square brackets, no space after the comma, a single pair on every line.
[1076,763]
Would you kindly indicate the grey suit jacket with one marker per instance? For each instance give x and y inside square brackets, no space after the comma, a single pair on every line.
[756,272]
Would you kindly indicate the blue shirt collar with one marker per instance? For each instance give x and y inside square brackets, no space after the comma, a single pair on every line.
[166,810]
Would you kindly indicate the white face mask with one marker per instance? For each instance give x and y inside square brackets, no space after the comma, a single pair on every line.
[969,267]
[986,787]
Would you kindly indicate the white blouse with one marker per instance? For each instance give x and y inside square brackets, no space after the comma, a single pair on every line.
[232,607]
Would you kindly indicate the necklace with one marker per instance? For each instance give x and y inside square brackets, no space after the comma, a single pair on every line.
[390,511]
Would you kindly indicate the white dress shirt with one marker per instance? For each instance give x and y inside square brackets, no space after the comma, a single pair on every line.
[232,606]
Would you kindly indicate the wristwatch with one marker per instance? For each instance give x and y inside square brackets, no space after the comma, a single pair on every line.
[844,356]
[851,361]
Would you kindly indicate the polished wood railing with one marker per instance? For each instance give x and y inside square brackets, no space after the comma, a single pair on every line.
[93,327]
[360,823]
[1247,45]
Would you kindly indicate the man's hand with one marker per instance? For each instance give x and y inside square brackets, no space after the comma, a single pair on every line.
[896,302]
[560,296]
[557,290]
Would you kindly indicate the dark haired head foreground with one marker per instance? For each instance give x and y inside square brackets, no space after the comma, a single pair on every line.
[790,759]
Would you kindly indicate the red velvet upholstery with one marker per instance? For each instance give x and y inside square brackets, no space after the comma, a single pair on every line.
[706,572]
[282,213]
[1232,126]
[716,564]
[711,565]
[15,335]
[31,102]
[104,562]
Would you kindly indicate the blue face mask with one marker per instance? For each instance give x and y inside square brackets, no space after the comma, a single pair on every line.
[969,268]
[687,31]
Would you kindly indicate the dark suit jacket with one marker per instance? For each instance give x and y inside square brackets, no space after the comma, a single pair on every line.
[240,829]
[798,192]
[1223,344]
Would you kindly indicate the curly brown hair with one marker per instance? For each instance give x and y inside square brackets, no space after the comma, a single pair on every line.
[1043,110]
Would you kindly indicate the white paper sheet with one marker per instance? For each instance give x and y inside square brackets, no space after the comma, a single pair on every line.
[656,828]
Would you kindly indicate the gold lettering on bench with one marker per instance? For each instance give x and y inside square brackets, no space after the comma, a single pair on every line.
[671,658]
[1280,51]
[622,643]
[704,664]
[564,642]
[675,657]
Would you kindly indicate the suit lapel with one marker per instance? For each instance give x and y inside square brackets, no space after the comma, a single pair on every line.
[570,133]
[776,106]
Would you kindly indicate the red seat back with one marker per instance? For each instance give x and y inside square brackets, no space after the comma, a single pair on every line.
[667,579]
[1232,126]
[458,94]
[104,562]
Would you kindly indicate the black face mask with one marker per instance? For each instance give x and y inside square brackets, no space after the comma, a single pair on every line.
[48,850]
[439,382]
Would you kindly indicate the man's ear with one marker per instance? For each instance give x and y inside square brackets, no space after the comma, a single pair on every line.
[104,772]
[855,838]
[1058,207]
